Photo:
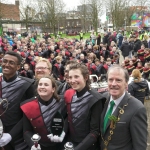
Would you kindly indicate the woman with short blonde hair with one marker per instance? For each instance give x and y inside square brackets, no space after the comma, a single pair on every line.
[138,87]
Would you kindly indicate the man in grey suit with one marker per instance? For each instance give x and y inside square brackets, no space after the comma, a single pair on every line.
[124,119]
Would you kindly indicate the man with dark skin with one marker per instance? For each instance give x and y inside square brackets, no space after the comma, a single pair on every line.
[15,89]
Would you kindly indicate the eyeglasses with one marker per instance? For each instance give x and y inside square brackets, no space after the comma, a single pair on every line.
[12,63]
[41,68]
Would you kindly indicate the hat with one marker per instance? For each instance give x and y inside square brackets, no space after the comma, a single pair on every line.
[58,50]
[67,53]
[23,54]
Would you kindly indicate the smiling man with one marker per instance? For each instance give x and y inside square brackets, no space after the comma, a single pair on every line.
[43,67]
[123,120]
[15,89]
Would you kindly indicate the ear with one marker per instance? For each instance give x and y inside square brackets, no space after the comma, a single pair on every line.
[53,90]
[18,67]
[126,85]
[86,78]
[50,72]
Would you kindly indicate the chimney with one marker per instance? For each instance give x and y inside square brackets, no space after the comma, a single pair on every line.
[17,2]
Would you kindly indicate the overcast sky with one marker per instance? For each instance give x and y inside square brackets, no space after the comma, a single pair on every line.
[72,3]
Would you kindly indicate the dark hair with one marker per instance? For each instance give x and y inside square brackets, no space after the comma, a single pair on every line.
[54,85]
[71,62]
[1,52]
[126,74]
[15,55]
[97,60]
[84,71]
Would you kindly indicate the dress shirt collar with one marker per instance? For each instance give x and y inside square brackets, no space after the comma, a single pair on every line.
[117,101]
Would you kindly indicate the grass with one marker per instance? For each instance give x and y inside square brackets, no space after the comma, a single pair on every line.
[85,36]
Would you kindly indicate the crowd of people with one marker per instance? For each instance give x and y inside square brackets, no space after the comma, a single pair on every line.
[41,77]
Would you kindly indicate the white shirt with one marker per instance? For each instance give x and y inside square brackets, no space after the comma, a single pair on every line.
[117,102]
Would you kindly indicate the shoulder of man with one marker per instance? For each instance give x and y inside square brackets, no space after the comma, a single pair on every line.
[106,95]
[27,79]
[136,103]
[97,97]
[96,94]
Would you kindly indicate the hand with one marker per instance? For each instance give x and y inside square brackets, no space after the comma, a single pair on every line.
[6,138]
[56,138]
[36,148]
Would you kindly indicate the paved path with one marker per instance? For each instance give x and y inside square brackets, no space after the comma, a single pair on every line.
[147,106]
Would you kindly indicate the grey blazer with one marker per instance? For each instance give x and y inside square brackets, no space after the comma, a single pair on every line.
[131,130]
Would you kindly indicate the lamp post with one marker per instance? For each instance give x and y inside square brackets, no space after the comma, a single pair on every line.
[125,22]
[58,26]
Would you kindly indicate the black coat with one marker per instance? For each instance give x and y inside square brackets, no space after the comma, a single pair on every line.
[137,45]
[98,40]
[125,48]
[105,39]
[139,89]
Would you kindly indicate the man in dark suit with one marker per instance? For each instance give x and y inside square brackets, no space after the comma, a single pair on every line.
[124,119]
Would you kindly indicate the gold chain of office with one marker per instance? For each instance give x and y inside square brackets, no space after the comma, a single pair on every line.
[106,142]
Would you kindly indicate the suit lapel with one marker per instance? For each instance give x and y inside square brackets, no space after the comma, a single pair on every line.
[122,103]
[116,112]
[104,112]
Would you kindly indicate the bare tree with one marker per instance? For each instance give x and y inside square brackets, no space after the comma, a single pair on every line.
[96,10]
[27,11]
[115,9]
[52,12]
[120,11]
[84,15]
[139,6]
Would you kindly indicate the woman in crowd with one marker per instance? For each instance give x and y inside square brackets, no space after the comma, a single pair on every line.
[39,113]
[84,107]
[139,86]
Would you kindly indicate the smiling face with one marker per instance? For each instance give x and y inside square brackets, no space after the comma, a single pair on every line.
[76,79]
[41,69]
[45,89]
[26,67]
[116,83]
[10,66]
